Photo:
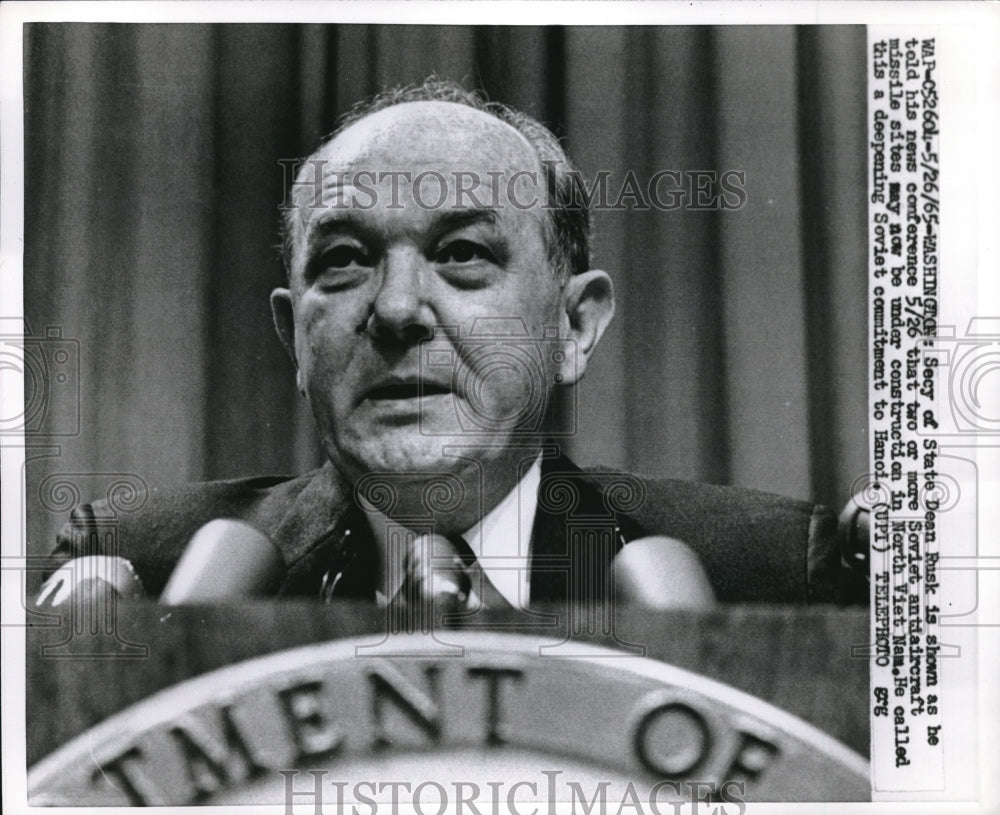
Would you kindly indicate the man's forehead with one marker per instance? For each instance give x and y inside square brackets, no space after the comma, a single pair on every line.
[423,135]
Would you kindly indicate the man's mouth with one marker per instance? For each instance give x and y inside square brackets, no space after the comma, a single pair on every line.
[406,390]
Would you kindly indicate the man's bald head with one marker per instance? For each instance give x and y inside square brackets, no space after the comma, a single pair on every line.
[565,214]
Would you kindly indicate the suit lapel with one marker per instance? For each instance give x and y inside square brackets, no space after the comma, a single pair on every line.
[576,535]
[325,534]
[313,513]
[342,563]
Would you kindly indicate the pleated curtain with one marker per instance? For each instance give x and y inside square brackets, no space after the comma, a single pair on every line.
[153,175]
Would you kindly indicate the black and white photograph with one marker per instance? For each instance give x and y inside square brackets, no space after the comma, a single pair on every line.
[497,414]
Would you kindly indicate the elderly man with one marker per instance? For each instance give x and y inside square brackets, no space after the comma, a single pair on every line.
[440,301]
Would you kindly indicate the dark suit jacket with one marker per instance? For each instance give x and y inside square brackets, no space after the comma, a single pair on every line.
[754,546]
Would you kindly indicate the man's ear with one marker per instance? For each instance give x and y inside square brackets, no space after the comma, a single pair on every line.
[588,306]
[284,324]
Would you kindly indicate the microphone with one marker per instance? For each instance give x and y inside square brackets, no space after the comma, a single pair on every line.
[854,542]
[854,530]
[225,561]
[661,573]
[89,580]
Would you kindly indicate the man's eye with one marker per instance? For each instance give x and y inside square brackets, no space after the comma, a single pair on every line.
[342,257]
[463,252]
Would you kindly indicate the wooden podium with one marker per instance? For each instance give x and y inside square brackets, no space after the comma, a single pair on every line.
[229,704]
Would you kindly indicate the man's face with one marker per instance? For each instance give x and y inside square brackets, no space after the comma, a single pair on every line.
[385,258]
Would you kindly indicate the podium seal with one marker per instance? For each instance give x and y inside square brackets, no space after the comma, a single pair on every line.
[501,721]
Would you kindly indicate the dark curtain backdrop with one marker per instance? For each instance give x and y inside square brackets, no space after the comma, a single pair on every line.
[152,182]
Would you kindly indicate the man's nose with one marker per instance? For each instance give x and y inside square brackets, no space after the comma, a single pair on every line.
[400,312]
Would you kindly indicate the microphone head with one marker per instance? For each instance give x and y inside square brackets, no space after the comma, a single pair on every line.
[854,530]
[87,580]
[225,561]
[661,573]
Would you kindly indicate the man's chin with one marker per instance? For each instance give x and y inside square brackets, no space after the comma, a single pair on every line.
[407,450]
[403,474]
[409,473]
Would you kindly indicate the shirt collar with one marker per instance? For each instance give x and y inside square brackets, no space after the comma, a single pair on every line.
[500,540]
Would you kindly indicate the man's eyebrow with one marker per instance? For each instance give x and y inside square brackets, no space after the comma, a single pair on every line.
[336,219]
[453,219]
[357,225]
[339,222]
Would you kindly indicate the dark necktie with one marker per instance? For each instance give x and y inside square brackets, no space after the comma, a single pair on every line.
[437,584]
